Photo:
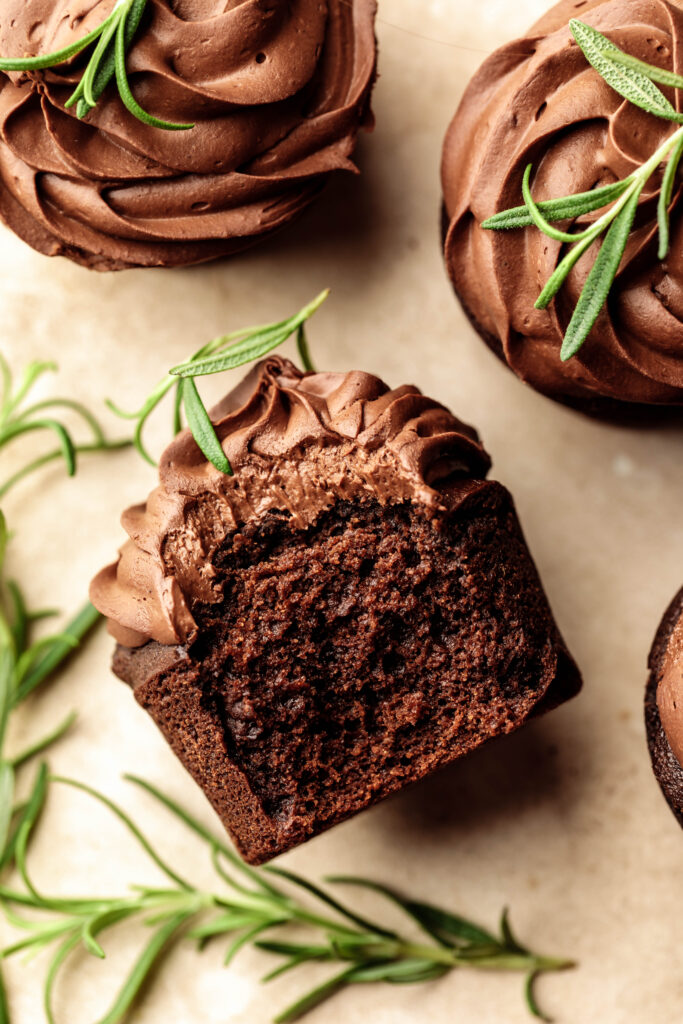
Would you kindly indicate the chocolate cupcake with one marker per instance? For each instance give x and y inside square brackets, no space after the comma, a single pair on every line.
[538,101]
[277,91]
[664,706]
[352,609]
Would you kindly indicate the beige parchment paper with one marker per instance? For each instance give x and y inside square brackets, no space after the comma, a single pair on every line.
[563,822]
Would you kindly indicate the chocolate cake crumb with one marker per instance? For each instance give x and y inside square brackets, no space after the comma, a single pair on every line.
[351,658]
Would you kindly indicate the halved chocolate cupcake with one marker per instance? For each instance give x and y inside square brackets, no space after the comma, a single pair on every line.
[351,610]
[664,706]
[277,93]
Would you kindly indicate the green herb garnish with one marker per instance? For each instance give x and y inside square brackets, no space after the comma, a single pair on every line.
[634,80]
[248,905]
[17,419]
[26,665]
[224,353]
[108,61]
[251,904]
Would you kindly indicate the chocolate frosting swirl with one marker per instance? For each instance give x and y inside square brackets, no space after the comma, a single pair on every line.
[538,101]
[297,443]
[277,90]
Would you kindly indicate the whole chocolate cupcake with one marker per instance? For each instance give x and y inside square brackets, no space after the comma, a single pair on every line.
[354,608]
[664,706]
[538,101]
[277,91]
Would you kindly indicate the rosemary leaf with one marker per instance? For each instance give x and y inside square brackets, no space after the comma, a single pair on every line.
[220,925]
[245,351]
[437,923]
[315,997]
[106,37]
[284,968]
[254,346]
[66,445]
[530,997]
[143,967]
[539,220]
[566,208]
[242,940]
[131,826]
[200,830]
[202,428]
[50,60]
[300,950]
[600,279]
[6,798]
[17,421]
[6,682]
[44,743]
[178,408]
[630,83]
[59,650]
[107,70]
[29,658]
[125,92]
[4,1007]
[60,956]
[406,972]
[665,196]
[303,349]
[509,939]
[330,901]
[28,816]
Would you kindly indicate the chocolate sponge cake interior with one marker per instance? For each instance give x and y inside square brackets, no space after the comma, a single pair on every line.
[353,609]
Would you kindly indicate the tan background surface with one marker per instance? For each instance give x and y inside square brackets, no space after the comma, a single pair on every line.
[563,821]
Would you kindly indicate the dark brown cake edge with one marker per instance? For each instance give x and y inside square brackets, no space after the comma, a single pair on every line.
[610,410]
[668,771]
[254,835]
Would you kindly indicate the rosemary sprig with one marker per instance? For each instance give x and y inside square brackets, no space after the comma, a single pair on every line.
[634,80]
[107,61]
[24,667]
[17,419]
[224,353]
[249,905]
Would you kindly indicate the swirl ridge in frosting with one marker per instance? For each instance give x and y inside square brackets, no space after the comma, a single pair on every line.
[538,101]
[277,89]
[297,443]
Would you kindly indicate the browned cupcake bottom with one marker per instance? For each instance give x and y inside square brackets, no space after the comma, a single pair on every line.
[667,770]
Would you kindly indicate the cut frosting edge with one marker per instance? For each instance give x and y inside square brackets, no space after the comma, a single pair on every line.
[297,443]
